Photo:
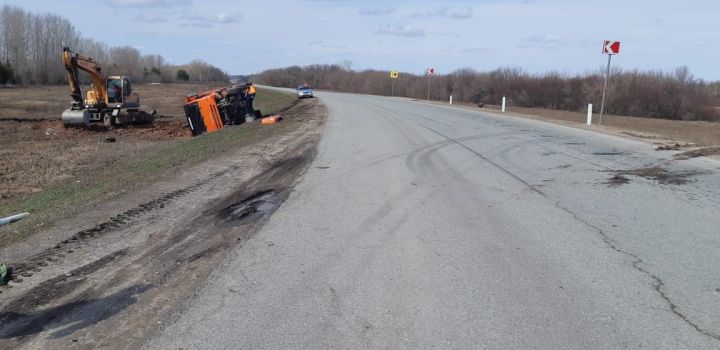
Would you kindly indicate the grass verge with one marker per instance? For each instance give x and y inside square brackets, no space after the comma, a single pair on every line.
[70,197]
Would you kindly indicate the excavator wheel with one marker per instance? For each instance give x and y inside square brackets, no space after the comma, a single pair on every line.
[108,120]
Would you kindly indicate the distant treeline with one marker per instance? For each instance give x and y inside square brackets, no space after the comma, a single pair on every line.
[668,95]
[31,53]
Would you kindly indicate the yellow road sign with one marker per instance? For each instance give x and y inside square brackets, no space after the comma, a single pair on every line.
[394,74]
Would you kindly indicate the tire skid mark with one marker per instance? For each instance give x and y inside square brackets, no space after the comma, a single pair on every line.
[657,282]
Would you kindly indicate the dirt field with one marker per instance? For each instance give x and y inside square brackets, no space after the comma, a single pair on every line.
[106,278]
[48,102]
[42,160]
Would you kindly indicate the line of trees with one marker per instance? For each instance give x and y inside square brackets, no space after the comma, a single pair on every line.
[669,95]
[31,47]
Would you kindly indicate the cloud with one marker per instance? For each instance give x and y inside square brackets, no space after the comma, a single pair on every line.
[149,3]
[321,44]
[377,11]
[197,25]
[543,39]
[476,49]
[461,13]
[149,19]
[464,12]
[218,18]
[544,42]
[400,30]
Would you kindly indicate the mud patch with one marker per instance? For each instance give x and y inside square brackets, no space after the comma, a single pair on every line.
[63,284]
[673,147]
[252,208]
[610,153]
[70,317]
[703,152]
[617,180]
[658,174]
[639,135]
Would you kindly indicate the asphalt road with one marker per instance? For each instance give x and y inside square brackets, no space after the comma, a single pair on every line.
[424,226]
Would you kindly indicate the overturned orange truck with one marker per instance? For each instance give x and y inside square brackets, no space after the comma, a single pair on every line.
[211,110]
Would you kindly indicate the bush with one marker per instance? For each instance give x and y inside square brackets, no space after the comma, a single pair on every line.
[7,75]
[182,75]
[669,95]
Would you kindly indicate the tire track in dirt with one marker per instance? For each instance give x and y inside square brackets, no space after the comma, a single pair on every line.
[141,281]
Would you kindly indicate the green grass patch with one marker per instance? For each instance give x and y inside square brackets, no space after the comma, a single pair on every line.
[72,196]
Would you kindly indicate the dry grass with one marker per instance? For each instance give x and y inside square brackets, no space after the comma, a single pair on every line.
[695,132]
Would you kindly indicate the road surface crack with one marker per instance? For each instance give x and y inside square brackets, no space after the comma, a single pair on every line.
[657,283]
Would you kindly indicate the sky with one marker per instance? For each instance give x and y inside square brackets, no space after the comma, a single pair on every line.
[244,37]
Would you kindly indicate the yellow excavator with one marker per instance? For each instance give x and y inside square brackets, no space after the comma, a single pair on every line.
[111,101]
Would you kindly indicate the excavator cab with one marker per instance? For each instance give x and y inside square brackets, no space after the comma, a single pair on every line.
[120,93]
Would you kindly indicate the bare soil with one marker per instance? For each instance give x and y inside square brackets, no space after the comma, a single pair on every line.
[108,277]
[38,151]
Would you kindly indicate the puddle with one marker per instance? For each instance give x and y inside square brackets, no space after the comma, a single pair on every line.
[574,143]
[252,208]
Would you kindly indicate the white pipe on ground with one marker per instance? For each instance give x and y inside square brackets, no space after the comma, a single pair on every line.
[13,218]
[503,104]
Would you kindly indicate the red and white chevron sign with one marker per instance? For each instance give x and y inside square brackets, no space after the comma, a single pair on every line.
[611,47]
[430,70]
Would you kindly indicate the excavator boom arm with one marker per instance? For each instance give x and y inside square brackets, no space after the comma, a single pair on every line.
[74,62]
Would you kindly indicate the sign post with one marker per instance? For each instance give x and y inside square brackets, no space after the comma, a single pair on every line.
[610,48]
[393,75]
[430,71]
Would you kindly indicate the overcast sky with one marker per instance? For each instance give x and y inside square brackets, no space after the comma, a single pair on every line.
[537,35]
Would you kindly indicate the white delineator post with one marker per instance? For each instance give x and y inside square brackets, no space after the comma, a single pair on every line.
[450,99]
[503,105]
[589,117]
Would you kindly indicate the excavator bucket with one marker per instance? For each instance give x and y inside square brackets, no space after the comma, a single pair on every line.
[76,118]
